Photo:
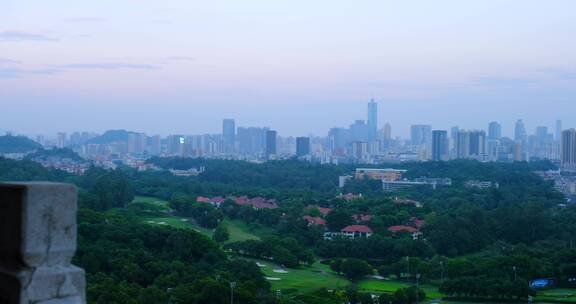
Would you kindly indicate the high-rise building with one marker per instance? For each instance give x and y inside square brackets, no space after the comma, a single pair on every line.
[421,135]
[137,143]
[462,146]
[176,145]
[372,119]
[568,149]
[302,146]
[558,134]
[477,143]
[439,145]
[251,140]
[271,142]
[520,131]
[61,140]
[359,131]
[494,131]
[229,134]
[542,133]
[155,145]
[387,131]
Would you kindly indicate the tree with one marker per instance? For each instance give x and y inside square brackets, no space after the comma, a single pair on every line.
[355,269]
[338,219]
[221,234]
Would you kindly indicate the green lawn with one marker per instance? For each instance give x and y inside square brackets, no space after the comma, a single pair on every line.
[152,201]
[239,231]
[381,286]
[558,295]
[309,278]
[305,279]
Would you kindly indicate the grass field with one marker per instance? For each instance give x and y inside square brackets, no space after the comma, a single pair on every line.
[305,279]
[309,278]
[239,231]
[558,295]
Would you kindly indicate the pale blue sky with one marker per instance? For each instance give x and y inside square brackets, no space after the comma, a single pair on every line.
[296,66]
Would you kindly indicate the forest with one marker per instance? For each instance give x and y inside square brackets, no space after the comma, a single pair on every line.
[475,244]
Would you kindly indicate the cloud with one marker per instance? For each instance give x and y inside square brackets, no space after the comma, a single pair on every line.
[23,36]
[561,73]
[108,66]
[503,81]
[85,20]
[181,58]
[18,73]
[9,61]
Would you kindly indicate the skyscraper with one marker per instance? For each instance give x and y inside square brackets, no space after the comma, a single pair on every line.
[302,146]
[462,144]
[372,119]
[558,134]
[229,134]
[520,131]
[568,149]
[270,142]
[439,145]
[62,140]
[251,140]
[494,131]
[420,134]
[477,143]
[387,131]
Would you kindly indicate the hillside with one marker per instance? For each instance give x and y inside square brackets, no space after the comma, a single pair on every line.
[17,144]
[111,136]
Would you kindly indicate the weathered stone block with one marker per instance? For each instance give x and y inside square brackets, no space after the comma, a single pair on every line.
[37,243]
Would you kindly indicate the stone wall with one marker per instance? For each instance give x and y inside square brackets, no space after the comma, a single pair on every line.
[37,243]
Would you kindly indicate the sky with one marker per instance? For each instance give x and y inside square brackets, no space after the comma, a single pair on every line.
[300,67]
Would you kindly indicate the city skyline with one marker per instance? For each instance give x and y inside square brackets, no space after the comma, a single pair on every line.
[181,67]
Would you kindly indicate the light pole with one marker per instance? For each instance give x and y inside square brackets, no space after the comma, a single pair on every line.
[417,287]
[514,268]
[408,268]
[232,285]
[441,271]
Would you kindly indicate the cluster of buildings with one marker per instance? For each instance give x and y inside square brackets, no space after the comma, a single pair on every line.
[362,142]
[360,228]
[393,179]
[255,202]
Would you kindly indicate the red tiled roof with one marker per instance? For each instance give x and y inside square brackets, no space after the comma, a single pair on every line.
[218,199]
[324,211]
[357,228]
[402,228]
[314,220]
[202,199]
[418,223]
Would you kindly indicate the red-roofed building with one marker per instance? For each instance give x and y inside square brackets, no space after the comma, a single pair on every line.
[256,203]
[357,231]
[351,232]
[324,211]
[418,223]
[415,232]
[202,199]
[314,220]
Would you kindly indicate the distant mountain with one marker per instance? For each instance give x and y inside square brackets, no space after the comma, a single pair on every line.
[111,136]
[17,144]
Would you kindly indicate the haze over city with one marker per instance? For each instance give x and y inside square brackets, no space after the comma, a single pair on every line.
[297,67]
